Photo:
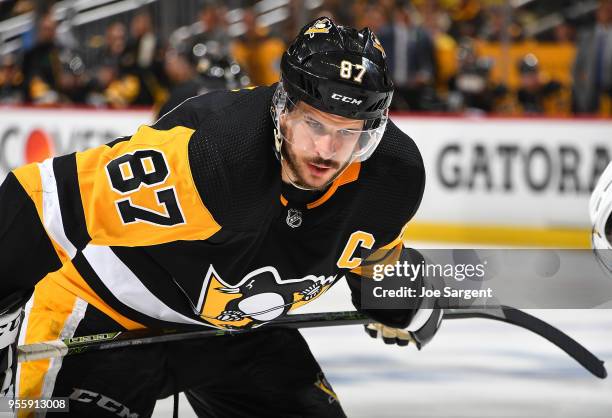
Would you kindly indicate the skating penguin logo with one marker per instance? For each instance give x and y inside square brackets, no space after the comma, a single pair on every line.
[322,25]
[259,297]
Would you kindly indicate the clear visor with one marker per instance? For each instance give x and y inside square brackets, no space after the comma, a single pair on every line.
[345,140]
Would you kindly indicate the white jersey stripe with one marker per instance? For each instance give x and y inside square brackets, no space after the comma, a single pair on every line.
[127,288]
[55,364]
[22,336]
[52,214]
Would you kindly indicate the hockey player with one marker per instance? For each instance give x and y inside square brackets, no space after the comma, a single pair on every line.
[231,210]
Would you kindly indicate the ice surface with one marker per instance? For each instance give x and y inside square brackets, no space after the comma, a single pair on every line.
[472,368]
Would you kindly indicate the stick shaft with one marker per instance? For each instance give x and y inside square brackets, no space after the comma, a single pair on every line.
[112,340]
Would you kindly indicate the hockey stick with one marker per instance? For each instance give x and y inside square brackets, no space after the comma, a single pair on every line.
[522,319]
[110,340]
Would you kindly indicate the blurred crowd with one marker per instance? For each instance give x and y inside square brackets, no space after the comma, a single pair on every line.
[444,56]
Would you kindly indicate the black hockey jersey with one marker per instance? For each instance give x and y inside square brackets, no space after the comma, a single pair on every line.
[188,221]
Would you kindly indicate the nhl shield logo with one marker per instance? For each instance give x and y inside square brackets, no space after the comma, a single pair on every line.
[294,218]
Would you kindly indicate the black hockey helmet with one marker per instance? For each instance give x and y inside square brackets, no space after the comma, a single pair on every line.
[338,70]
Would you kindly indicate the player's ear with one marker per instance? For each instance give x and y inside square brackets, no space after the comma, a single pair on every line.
[285,116]
[282,120]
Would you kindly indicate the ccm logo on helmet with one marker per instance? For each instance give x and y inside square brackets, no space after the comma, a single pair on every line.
[346,99]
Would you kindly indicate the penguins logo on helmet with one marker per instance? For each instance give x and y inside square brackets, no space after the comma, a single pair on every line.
[320,26]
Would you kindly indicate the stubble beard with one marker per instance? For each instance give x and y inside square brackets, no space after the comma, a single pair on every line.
[293,168]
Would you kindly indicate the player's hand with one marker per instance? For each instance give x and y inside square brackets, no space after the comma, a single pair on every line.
[420,331]
[389,335]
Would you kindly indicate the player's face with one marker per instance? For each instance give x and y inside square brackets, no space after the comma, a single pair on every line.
[318,145]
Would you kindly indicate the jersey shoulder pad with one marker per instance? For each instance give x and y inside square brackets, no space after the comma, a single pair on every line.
[232,160]
[399,154]
[192,112]
[392,181]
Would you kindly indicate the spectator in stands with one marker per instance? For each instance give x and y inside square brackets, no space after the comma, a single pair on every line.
[563,33]
[410,56]
[141,80]
[534,90]
[212,36]
[41,67]
[107,59]
[258,52]
[374,18]
[436,22]
[184,81]
[467,19]
[593,66]
[10,8]
[10,80]
[471,89]
[495,25]
[115,43]
[341,11]
[436,19]
[190,76]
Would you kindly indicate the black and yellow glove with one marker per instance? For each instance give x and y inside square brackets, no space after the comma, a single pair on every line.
[421,330]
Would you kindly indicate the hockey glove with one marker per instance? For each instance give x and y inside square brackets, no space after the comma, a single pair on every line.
[389,335]
[420,331]
[11,314]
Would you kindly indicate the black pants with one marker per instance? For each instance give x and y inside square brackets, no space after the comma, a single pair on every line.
[267,373]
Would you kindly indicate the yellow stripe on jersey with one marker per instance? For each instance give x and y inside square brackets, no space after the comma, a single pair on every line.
[141,192]
[69,279]
[54,302]
[51,308]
